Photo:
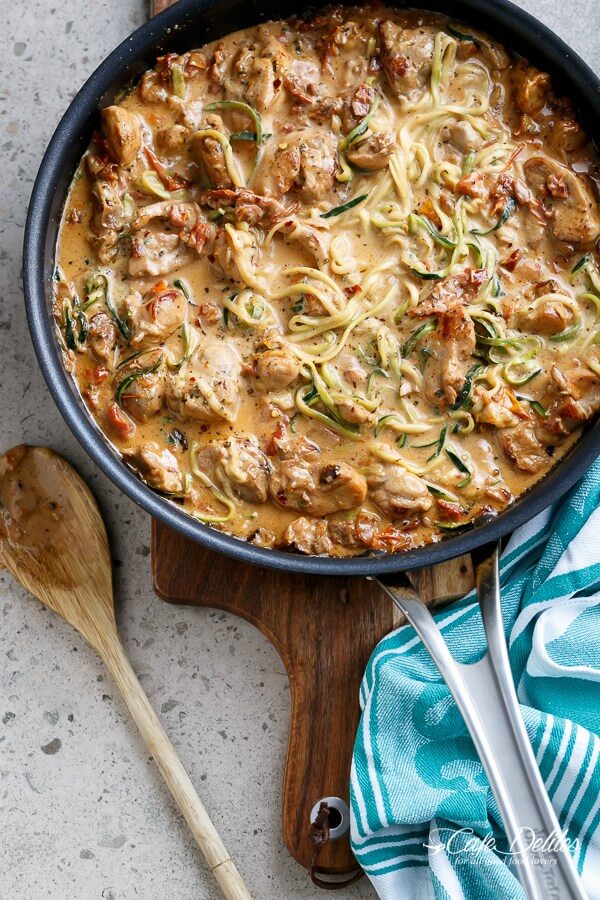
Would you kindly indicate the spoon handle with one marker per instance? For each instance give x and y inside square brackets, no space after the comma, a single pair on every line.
[171,769]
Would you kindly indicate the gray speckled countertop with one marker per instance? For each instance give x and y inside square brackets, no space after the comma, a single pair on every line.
[83,812]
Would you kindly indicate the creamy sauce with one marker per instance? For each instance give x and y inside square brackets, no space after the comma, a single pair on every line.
[351,321]
[32,504]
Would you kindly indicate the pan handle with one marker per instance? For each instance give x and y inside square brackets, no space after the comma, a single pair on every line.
[485,695]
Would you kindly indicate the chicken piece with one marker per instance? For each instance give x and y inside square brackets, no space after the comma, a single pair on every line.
[194,230]
[209,153]
[531,88]
[463,136]
[548,317]
[153,320]
[157,466]
[276,369]
[354,412]
[297,483]
[286,447]
[156,253]
[372,154]
[259,74]
[248,207]
[277,171]
[175,214]
[309,536]
[521,446]
[143,395]
[355,532]
[302,80]
[318,165]
[314,241]
[566,134]
[237,253]
[575,217]
[406,56]
[498,410]
[579,396]
[102,337]
[207,386]
[397,492]
[454,342]
[238,467]
[108,220]
[261,537]
[123,132]
[355,104]
[172,139]
[304,164]
[151,88]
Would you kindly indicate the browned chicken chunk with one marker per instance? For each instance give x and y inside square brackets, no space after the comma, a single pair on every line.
[157,466]
[238,467]
[319,490]
[102,337]
[123,133]
[406,56]
[574,214]
[154,319]
[521,445]
[397,492]
[308,536]
[207,386]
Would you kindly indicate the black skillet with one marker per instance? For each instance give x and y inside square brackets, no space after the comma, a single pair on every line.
[191,23]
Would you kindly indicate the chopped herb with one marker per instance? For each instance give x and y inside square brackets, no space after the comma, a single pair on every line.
[182,286]
[460,465]
[242,136]
[506,213]
[178,438]
[416,221]
[567,334]
[373,375]
[440,443]
[338,210]
[456,32]
[580,265]
[69,328]
[427,276]
[418,335]
[463,394]
[226,316]
[129,379]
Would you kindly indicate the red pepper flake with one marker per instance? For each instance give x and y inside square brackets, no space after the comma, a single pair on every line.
[352,290]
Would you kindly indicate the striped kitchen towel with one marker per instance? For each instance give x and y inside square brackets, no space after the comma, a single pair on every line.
[423,817]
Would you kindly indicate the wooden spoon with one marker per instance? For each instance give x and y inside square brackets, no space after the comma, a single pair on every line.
[53,541]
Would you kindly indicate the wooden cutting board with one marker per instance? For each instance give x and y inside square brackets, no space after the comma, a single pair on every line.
[324,630]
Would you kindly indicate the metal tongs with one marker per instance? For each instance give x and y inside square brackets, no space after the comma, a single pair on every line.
[485,695]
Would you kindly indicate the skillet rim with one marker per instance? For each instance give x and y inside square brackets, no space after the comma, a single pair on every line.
[38,248]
